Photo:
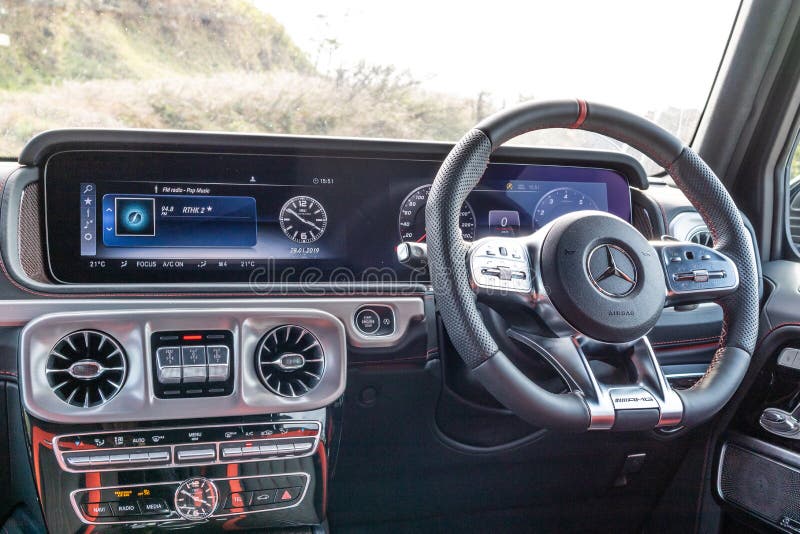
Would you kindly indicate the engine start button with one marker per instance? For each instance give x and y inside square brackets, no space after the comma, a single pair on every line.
[368,321]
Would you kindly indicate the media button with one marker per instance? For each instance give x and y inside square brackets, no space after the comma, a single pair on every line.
[153,506]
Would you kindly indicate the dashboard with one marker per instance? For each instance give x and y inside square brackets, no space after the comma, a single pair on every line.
[134,265]
[167,217]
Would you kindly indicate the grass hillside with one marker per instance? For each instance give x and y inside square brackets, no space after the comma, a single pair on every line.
[54,40]
[205,64]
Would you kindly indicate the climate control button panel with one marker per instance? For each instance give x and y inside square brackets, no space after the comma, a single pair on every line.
[185,446]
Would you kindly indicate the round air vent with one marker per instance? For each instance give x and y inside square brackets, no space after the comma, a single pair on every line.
[86,368]
[290,361]
[701,236]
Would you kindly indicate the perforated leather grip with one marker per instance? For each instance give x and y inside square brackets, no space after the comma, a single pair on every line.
[463,169]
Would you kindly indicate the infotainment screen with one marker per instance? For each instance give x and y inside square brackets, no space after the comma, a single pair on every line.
[136,217]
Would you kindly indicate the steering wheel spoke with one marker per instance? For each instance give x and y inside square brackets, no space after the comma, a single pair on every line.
[645,401]
[695,273]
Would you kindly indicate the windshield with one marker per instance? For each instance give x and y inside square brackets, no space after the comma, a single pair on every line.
[415,70]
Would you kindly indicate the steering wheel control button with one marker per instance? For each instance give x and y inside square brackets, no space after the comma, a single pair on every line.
[704,272]
[375,320]
[500,264]
[193,363]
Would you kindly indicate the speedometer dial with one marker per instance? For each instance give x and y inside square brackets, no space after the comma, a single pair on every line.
[559,202]
[412,217]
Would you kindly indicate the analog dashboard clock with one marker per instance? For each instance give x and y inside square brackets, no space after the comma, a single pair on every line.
[196,498]
[303,219]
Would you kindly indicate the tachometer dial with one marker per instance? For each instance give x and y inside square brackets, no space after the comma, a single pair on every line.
[412,217]
[303,219]
[559,202]
[196,498]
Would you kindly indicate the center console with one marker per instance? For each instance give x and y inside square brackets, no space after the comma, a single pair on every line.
[158,416]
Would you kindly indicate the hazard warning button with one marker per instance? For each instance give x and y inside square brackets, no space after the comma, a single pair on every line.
[284,495]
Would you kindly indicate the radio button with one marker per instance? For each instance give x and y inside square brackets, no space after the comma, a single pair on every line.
[125,508]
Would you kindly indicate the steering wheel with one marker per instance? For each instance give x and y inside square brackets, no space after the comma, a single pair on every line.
[590,285]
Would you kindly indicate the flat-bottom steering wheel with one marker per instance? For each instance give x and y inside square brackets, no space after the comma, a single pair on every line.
[593,283]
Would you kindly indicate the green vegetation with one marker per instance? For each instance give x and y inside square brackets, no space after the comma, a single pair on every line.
[207,65]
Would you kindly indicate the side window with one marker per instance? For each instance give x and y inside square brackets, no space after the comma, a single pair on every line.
[794,198]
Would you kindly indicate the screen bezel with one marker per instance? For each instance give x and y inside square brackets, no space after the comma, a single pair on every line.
[53,256]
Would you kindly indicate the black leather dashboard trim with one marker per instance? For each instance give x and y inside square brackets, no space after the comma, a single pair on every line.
[42,146]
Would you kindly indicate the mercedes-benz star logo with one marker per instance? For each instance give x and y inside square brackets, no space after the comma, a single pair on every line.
[612,270]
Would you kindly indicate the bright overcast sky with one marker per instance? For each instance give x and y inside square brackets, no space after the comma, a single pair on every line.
[637,54]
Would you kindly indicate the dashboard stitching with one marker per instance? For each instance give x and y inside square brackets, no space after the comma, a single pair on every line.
[680,341]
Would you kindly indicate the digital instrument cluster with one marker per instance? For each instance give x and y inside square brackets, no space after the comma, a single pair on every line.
[155,217]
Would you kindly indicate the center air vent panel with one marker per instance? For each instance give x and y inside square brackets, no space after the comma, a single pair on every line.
[86,368]
[290,361]
[313,343]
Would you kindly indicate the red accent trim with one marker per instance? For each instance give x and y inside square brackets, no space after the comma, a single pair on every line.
[583,111]
[93,481]
[39,438]
[676,348]
[323,465]
[192,337]
[232,470]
